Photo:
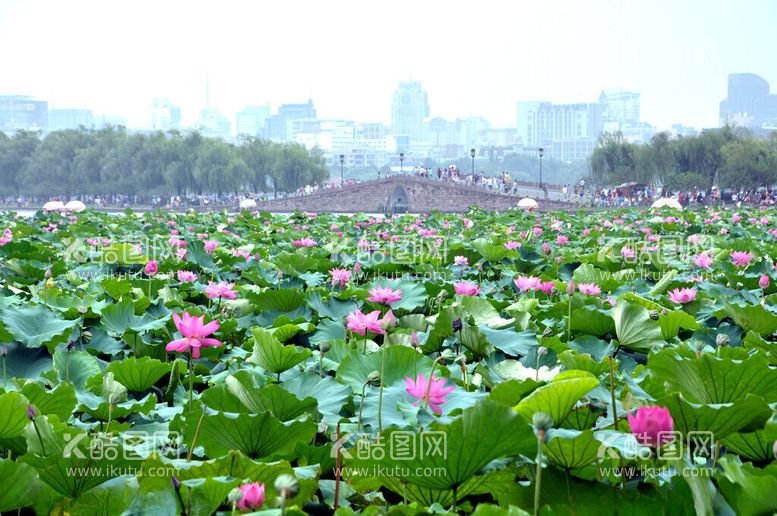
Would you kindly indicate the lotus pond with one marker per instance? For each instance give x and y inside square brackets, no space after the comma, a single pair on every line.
[620,362]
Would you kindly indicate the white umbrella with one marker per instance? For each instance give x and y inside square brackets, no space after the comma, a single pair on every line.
[528,204]
[246,204]
[75,206]
[54,206]
[669,202]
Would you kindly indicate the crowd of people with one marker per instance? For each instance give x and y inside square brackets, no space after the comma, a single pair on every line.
[623,196]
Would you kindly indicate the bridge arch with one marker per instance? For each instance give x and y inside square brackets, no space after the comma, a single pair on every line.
[398,201]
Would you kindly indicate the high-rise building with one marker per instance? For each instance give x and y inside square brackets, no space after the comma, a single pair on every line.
[278,126]
[408,110]
[748,103]
[60,119]
[252,120]
[620,107]
[19,112]
[164,115]
[567,131]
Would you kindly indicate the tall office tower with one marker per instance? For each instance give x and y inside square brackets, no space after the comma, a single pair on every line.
[164,115]
[251,120]
[408,110]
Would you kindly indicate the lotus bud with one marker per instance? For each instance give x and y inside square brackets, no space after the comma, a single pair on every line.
[722,339]
[47,274]
[542,423]
[388,321]
[3,351]
[654,314]
[374,379]
[547,332]
[49,283]
[414,340]
[542,351]
[176,483]
[287,486]
[235,495]
[457,325]
[324,346]
[70,346]
[31,412]
[447,355]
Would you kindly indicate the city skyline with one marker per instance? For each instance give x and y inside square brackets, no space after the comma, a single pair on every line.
[472,61]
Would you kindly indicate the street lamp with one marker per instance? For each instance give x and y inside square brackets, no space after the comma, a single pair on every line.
[472,153]
[541,151]
[401,162]
[342,160]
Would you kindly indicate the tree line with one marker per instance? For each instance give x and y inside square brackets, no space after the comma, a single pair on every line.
[726,158]
[112,161]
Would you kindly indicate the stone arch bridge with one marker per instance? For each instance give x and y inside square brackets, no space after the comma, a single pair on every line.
[403,193]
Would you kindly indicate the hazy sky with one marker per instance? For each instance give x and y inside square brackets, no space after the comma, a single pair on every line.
[473,58]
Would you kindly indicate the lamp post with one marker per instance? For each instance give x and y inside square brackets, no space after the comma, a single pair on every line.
[541,152]
[342,161]
[472,153]
[401,162]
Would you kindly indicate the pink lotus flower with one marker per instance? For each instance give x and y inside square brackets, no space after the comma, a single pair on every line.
[151,268]
[461,260]
[465,288]
[210,246]
[547,287]
[388,321]
[253,496]
[195,334]
[682,295]
[740,258]
[763,282]
[221,289]
[361,323]
[437,391]
[562,240]
[7,237]
[570,287]
[340,276]
[186,276]
[702,260]
[652,426]
[537,231]
[305,242]
[512,245]
[736,218]
[181,253]
[591,289]
[525,283]
[384,295]
[628,253]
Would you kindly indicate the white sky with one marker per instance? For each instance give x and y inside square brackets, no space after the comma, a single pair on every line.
[473,58]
